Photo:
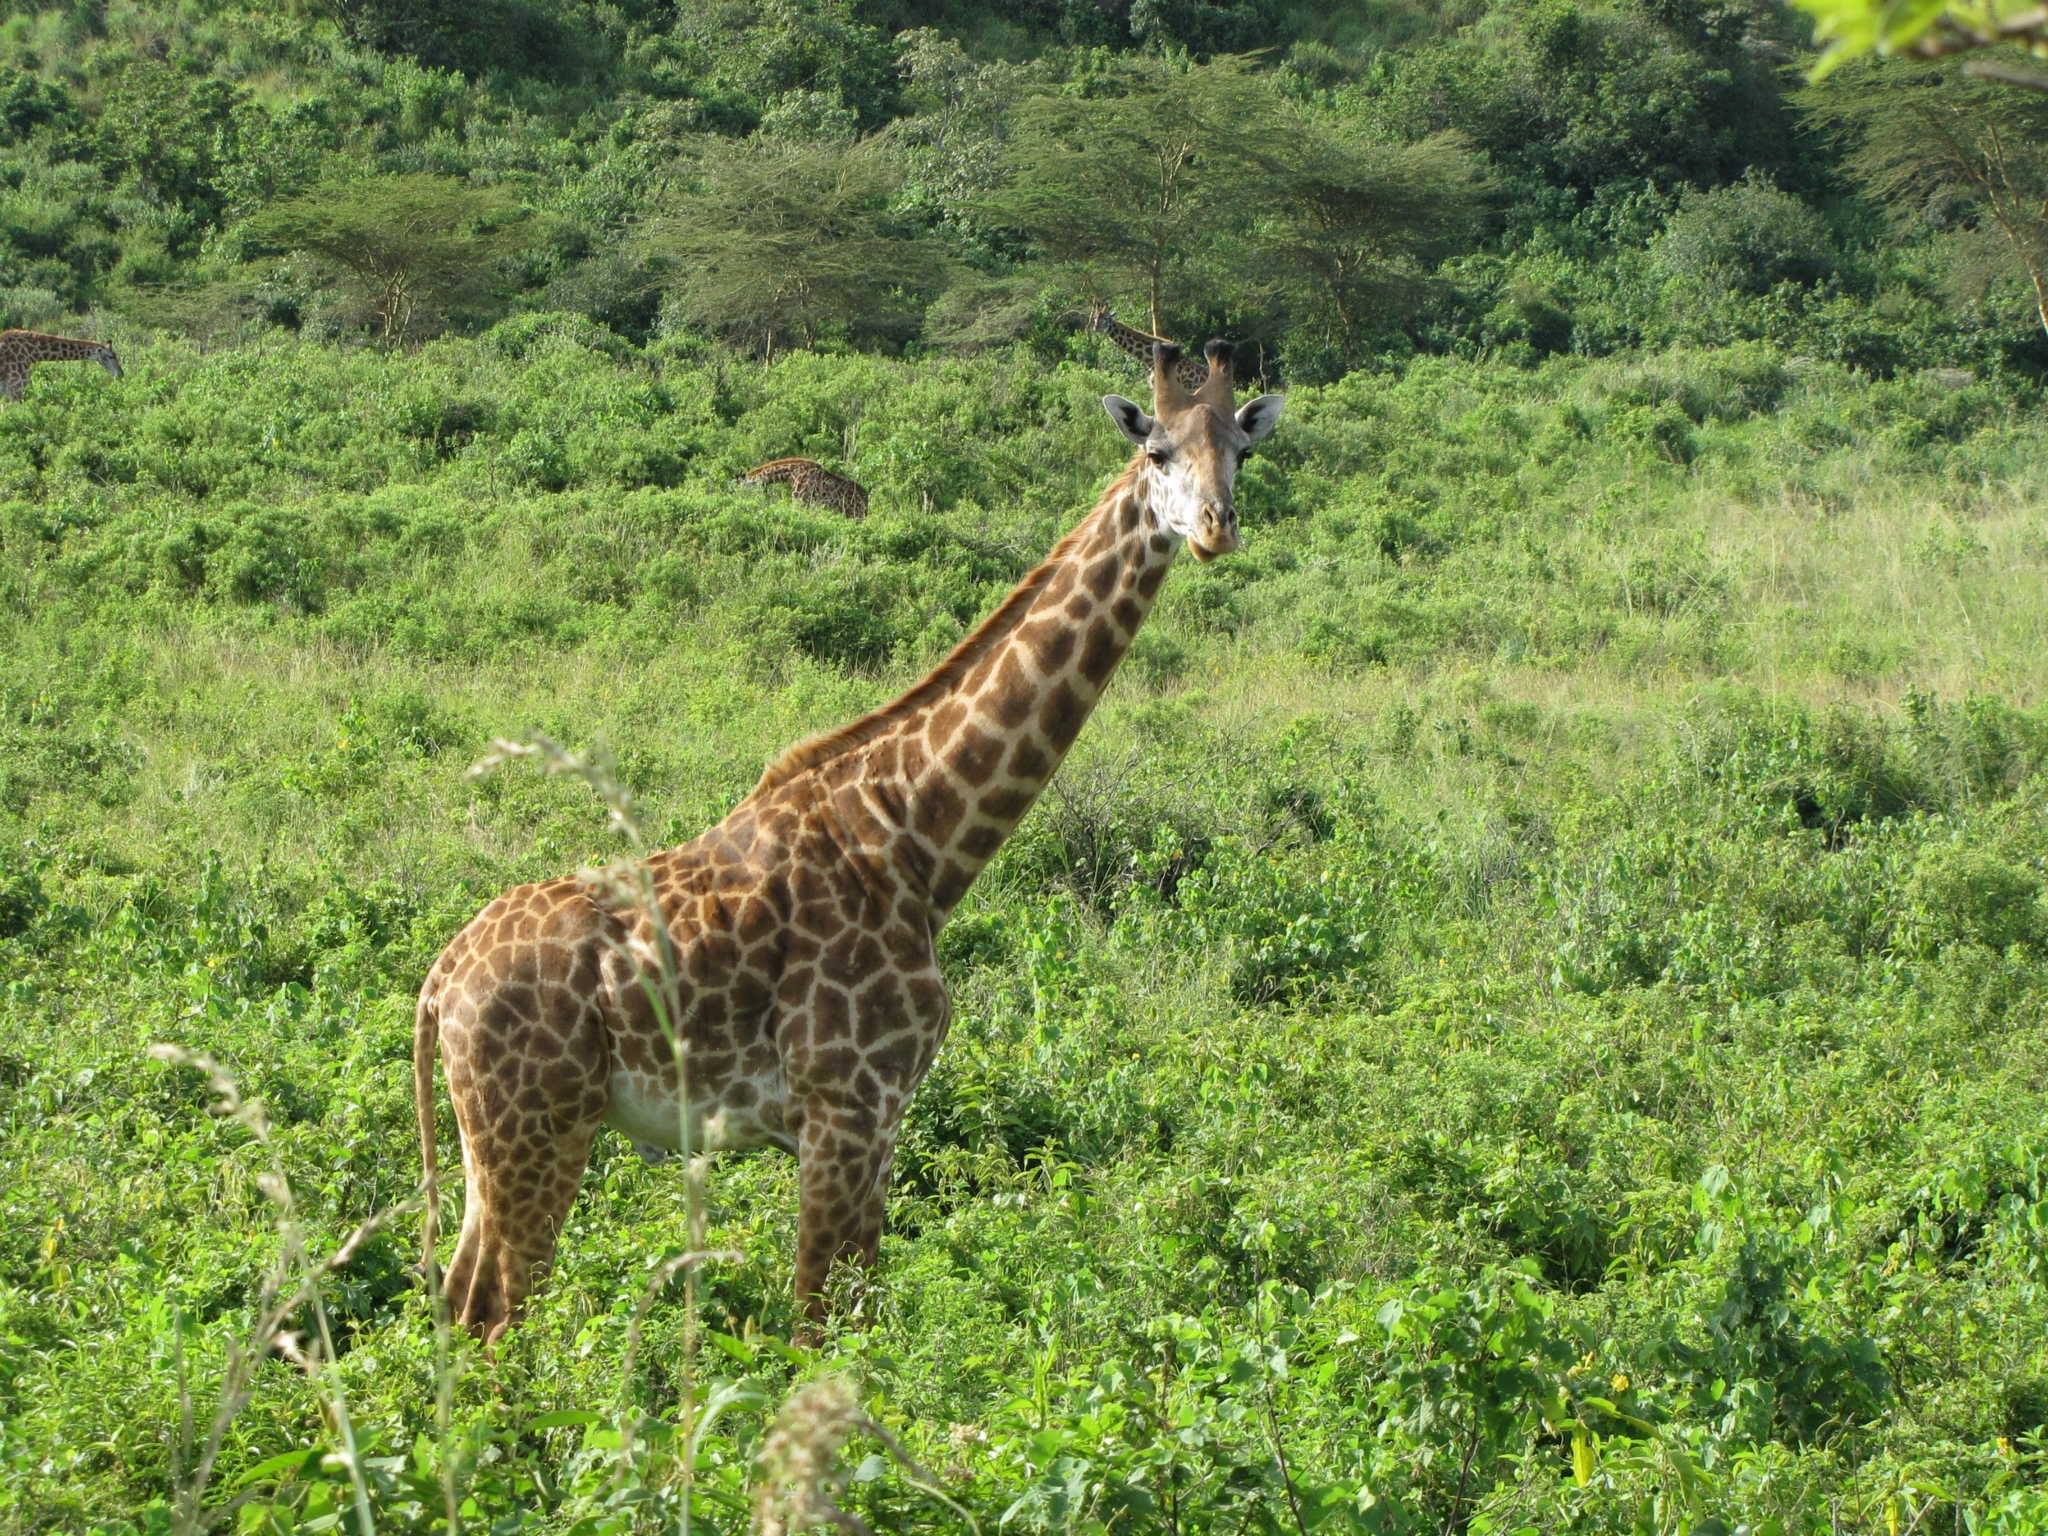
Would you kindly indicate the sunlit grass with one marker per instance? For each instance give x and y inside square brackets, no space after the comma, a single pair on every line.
[1626,818]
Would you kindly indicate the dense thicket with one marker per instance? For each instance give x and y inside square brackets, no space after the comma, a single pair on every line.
[1527,1009]
[1332,183]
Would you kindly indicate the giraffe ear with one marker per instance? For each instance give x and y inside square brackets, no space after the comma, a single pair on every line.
[1258,419]
[1136,425]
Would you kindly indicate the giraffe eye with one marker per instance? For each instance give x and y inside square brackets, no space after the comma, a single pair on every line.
[1156,455]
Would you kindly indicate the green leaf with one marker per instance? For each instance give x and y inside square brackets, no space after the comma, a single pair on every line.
[562,1418]
[788,1353]
[291,1462]
[739,1349]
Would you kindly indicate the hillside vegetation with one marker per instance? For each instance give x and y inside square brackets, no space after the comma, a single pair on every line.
[1327,184]
[1524,1011]
[1526,1003]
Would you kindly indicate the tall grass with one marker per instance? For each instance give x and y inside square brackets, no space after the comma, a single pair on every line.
[290,1290]
[1526,1010]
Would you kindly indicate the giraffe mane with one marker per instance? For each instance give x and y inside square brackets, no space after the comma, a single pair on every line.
[69,341]
[947,675]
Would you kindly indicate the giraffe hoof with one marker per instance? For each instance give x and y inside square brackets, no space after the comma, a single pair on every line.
[650,1154]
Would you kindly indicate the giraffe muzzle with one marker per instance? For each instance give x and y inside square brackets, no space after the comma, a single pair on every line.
[1216,537]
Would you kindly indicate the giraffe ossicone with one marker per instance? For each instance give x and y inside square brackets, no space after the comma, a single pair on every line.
[1192,372]
[804,922]
[20,351]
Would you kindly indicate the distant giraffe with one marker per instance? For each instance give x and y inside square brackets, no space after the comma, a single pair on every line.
[1191,371]
[812,484]
[804,923]
[22,350]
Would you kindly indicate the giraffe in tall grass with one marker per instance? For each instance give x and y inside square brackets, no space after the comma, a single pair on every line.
[20,351]
[804,923]
[811,484]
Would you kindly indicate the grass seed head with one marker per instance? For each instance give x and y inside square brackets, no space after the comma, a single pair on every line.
[799,1461]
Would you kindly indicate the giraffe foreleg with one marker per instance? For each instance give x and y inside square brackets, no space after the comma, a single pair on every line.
[844,1156]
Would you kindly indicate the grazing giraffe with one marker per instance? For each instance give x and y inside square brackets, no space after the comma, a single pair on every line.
[20,351]
[804,922]
[813,484]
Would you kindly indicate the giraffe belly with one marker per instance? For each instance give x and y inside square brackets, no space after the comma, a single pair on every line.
[645,1111]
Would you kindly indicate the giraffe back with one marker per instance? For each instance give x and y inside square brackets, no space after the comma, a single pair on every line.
[812,484]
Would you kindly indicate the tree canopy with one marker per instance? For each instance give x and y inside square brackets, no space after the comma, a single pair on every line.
[1354,224]
[1972,153]
[412,246]
[1330,184]
[1136,188]
[793,239]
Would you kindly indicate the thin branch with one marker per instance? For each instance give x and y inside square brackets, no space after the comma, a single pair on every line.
[2005,74]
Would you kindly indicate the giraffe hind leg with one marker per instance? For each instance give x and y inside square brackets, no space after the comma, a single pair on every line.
[520,1193]
[529,1102]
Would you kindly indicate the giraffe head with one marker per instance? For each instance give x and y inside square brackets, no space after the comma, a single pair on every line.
[1194,443]
[106,359]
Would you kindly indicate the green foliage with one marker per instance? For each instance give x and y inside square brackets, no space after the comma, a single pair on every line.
[792,239]
[1745,238]
[1960,153]
[1974,898]
[1283,931]
[415,246]
[1336,187]
[1852,29]
[1524,1010]
[1593,100]
[1360,222]
[1134,186]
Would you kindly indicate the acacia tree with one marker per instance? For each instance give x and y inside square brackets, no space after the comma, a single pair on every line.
[794,238]
[1133,189]
[1921,134]
[412,246]
[1356,222]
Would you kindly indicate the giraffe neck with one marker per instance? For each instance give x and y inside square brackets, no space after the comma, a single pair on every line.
[946,773]
[1191,370]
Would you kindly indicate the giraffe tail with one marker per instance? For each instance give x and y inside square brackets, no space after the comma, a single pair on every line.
[426,1043]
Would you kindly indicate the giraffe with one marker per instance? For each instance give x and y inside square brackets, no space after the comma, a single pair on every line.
[1191,371]
[20,351]
[804,922]
[812,484]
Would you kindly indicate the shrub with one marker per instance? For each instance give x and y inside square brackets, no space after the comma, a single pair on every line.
[537,456]
[21,895]
[1662,428]
[1746,237]
[1288,927]
[1964,896]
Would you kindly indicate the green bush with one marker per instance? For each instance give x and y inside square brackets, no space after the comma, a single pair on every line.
[1746,237]
[21,896]
[1489,1026]
[1959,896]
